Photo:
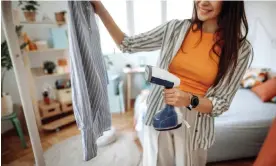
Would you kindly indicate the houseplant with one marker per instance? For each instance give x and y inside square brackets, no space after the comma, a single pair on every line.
[29,8]
[6,65]
[49,67]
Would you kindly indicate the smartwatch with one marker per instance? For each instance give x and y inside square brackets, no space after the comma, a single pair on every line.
[194,102]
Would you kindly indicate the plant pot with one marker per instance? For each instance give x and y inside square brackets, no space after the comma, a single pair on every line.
[6,105]
[50,71]
[60,17]
[30,16]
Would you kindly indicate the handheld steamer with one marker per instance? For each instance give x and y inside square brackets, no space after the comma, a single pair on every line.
[168,118]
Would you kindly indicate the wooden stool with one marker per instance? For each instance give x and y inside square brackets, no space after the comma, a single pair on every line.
[49,110]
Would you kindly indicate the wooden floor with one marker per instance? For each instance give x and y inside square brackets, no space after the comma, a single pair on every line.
[14,155]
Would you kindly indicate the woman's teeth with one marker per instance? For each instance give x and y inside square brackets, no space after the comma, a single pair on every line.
[204,10]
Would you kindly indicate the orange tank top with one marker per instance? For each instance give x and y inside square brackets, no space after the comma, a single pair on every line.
[195,64]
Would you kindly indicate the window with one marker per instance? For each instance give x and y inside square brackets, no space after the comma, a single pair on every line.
[147,15]
[144,15]
[182,9]
[107,43]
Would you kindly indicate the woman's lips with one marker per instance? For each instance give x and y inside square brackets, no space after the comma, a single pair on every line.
[203,11]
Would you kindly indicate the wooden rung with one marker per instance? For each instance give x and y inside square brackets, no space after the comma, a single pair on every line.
[58,123]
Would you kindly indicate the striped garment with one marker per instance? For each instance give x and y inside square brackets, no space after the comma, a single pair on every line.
[168,38]
[88,76]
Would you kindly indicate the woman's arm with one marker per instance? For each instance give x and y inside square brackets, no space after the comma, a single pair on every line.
[148,41]
[218,102]
[108,22]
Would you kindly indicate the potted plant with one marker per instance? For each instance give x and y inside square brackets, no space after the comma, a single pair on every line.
[60,17]
[6,65]
[29,8]
[49,67]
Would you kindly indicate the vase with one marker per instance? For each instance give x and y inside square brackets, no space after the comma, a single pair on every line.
[6,105]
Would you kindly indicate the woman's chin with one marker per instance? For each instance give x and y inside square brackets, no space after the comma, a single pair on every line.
[202,18]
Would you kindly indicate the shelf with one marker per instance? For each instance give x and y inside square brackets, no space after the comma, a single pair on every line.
[39,73]
[59,123]
[43,23]
[50,50]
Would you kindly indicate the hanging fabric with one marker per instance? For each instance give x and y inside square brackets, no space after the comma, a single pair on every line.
[88,76]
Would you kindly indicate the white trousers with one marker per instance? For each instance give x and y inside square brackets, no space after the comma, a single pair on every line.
[172,148]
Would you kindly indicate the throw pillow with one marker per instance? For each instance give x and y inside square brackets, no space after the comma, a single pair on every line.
[267,90]
[254,77]
[273,100]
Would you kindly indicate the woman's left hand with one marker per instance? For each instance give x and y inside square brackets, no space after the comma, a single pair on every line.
[176,97]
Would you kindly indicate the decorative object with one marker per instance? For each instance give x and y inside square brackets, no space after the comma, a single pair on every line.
[29,8]
[62,66]
[41,45]
[59,38]
[254,77]
[49,67]
[46,98]
[45,18]
[31,46]
[266,91]
[6,104]
[123,152]
[63,84]
[60,17]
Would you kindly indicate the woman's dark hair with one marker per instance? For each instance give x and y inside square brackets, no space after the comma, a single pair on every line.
[231,33]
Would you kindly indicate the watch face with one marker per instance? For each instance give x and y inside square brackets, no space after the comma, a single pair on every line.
[194,101]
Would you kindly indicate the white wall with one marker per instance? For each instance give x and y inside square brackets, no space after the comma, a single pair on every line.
[262,24]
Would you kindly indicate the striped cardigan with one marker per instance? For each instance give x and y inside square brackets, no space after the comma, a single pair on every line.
[168,38]
[88,76]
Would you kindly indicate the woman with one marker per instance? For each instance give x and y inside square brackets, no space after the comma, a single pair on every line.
[210,54]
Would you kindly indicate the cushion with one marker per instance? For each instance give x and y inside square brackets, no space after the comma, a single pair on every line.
[273,99]
[266,156]
[254,77]
[267,90]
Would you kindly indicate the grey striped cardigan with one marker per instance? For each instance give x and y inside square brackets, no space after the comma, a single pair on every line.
[168,38]
[88,76]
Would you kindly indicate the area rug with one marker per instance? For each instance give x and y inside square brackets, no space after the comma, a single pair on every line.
[123,152]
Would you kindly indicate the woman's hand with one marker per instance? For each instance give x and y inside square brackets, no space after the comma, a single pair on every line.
[97,5]
[108,22]
[176,97]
